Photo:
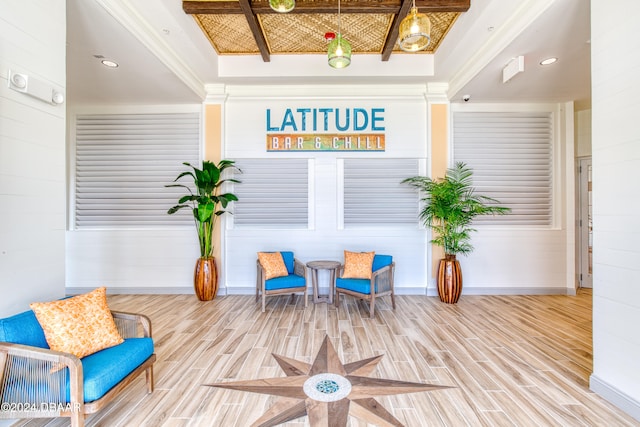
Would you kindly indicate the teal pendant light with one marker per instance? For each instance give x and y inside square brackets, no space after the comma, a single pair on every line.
[339,50]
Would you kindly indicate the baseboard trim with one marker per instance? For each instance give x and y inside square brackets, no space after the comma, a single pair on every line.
[433,292]
[411,291]
[323,291]
[614,396]
[415,290]
[135,291]
[187,290]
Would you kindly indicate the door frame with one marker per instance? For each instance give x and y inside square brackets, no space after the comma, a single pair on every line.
[585,232]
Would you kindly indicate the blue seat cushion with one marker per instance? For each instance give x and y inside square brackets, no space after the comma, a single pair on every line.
[362,286]
[23,328]
[106,368]
[101,372]
[286,282]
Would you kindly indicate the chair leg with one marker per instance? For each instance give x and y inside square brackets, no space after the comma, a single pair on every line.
[258,281]
[77,419]
[264,302]
[372,305]
[337,301]
[393,300]
[305,297]
[149,378]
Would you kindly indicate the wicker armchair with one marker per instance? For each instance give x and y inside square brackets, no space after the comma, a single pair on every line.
[380,284]
[296,281]
[36,382]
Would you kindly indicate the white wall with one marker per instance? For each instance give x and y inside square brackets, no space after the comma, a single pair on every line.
[514,260]
[510,260]
[616,201]
[406,137]
[142,260]
[32,156]
[521,259]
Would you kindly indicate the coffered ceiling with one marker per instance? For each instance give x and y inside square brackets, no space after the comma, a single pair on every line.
[371,26]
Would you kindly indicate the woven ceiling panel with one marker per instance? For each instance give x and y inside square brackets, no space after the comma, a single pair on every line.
[229,34]
[441,23]
[304,33]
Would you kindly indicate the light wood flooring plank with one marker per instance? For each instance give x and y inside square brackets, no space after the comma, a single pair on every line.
[512,360]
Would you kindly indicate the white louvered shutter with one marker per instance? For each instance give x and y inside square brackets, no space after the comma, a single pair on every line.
[273,193]
[374,195]
[511,158]
[122,164]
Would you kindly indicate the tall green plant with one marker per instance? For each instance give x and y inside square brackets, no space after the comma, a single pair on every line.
[450,205]
[204,203]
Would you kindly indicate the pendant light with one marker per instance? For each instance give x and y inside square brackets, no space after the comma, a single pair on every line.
[339,50]
[282,6]
[415,31]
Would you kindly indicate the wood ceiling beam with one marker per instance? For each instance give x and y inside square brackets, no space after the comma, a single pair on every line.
[399,8]
[392,35]
[327,6]
[358,6]
[432,6]
[256,30]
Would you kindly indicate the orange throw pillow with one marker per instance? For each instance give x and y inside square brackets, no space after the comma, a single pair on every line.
[273,264]
[357,265]
[80,325]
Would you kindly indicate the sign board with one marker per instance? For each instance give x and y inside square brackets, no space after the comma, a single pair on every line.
[325,129]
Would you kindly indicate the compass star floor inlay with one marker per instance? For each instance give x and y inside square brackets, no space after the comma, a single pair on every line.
[327,391]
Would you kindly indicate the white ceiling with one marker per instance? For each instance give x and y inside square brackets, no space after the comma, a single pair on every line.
[165,59]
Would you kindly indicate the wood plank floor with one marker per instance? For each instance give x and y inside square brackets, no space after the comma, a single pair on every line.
[513,360]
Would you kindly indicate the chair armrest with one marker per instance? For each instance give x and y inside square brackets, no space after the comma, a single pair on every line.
[260,273]
[387,269]
[26,362]
[128,324]
[382,278]
[299,268]
[39,353]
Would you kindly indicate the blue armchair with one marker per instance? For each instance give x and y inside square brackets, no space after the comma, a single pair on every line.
[294,281]
[36,382]
[380,284]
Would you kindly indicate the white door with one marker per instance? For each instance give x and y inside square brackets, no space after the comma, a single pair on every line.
[585,223]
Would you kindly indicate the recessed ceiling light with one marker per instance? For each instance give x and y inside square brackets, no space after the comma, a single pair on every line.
[548,61]
[110,64]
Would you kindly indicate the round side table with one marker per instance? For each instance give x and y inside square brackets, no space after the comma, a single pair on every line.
[332,267]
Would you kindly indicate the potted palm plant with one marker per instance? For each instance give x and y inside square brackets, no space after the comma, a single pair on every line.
[450,205]
[206,204]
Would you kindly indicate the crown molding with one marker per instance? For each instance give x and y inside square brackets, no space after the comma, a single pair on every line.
[437,93]
[133,21]
[216,93]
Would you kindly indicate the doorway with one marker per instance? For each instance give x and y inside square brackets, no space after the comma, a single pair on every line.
[585,224]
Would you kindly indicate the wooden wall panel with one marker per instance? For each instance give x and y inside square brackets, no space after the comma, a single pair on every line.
[32,156]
